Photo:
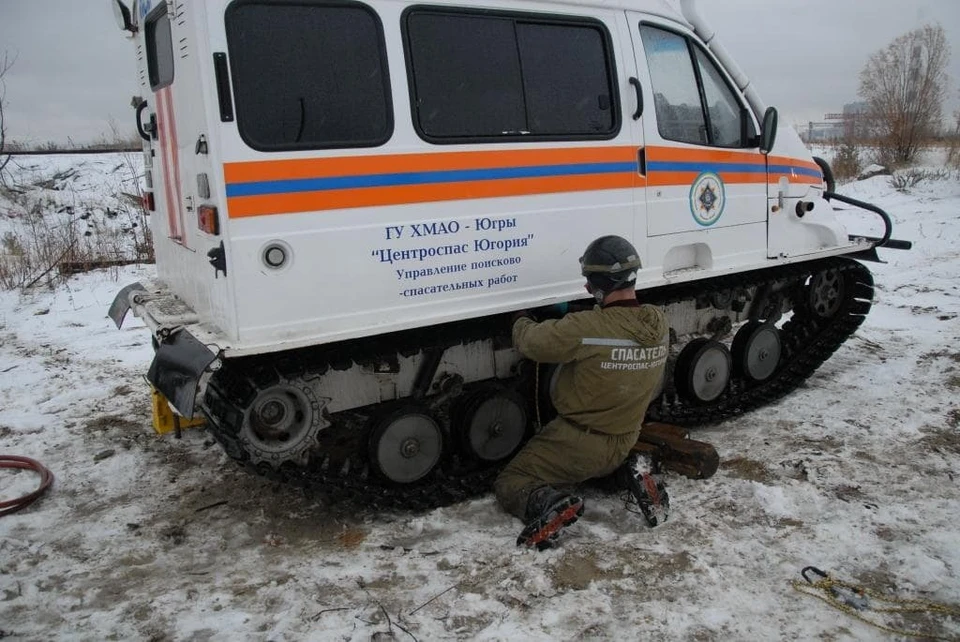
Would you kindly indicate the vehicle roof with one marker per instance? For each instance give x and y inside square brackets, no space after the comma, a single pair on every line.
[660,8]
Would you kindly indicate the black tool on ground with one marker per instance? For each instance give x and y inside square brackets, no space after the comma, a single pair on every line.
[847,595]
[813,570]
[872,606]
[46,479]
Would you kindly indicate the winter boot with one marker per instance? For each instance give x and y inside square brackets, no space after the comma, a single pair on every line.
[548,512]
[640,477]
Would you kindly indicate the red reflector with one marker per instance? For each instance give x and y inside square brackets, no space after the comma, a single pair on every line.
[207,215]
[148,203]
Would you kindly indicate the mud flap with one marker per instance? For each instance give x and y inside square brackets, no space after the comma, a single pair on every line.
[177,366]
[672,447]
[121,303]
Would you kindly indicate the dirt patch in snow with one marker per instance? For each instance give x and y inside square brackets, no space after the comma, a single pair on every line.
[943,440]
[745,468]
[111,422]
[953,418]
[927,358]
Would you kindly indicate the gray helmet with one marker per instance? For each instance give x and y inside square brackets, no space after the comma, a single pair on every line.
[610,263]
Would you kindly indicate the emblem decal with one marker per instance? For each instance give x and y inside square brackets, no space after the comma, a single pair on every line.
[707,199]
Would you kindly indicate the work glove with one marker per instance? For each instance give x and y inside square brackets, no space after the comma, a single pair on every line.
[522,314]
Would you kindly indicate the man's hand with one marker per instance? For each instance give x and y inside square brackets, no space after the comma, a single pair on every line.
[522,314]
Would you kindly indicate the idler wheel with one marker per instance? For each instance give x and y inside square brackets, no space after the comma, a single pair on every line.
[703,370]
[280,424]
[756,350]
[405,446]
[495,426]
[825,293]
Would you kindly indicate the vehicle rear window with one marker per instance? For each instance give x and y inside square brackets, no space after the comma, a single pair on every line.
[499,76]
[159,48]
[308,75]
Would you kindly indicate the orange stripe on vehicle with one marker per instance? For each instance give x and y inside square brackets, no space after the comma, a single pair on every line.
[163,127]
[783,160]
[693,155]
[795,178]
[685,179]
[175,148]
[243,206]
[368,165]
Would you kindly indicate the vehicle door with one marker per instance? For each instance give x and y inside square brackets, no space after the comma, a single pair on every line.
[161,69]
[704,168]
[181,155]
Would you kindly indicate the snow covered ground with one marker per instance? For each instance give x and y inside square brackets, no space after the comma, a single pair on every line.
[73,184]
[147,537]
[69,207]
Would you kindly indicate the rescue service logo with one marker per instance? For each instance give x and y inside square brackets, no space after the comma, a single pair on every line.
[635,358]
[707,199]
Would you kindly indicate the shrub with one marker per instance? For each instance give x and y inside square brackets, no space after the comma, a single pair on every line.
[846,163]
[903,181]
[51,222]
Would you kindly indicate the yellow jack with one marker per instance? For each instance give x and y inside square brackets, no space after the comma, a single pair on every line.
[165,420]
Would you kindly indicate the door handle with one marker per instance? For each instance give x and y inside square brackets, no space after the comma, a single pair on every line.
[636,85]
[642,161]
[144,134]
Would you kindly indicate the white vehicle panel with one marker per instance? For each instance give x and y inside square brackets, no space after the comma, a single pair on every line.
[411,233]
[345,274]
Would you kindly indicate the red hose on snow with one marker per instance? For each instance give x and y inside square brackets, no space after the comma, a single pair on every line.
[46,478]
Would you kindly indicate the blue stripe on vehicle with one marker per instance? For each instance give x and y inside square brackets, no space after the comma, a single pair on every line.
[422,178]
[699,166]
[746,168]
[794,169]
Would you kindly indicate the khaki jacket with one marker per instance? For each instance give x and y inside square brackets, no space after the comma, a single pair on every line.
[612,363]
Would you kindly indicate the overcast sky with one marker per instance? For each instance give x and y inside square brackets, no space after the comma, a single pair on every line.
[74,70]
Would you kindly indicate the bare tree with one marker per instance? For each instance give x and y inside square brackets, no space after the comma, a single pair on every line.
[953,143]
[5,63]
[904,86]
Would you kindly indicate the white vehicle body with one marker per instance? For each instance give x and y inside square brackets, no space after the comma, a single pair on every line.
[404,227]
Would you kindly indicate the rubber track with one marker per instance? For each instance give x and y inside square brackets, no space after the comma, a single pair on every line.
[453,481]
[806,339]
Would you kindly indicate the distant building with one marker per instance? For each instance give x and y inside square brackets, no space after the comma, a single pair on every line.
[859,108]
[856,120]
[823,132]
[850,124]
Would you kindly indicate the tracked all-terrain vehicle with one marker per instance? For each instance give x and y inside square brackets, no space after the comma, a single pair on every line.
[349,200]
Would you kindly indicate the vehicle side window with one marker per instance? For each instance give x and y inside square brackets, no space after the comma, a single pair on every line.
[159,48]
[308,74]
[566,79]
[676,98]
[467,75]
[722,106]
[499,77]
[693,101]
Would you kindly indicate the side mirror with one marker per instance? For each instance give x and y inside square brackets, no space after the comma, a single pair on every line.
[768,133]
[122,14]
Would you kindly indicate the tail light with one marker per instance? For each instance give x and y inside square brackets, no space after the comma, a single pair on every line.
[148,203]
[207,217]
